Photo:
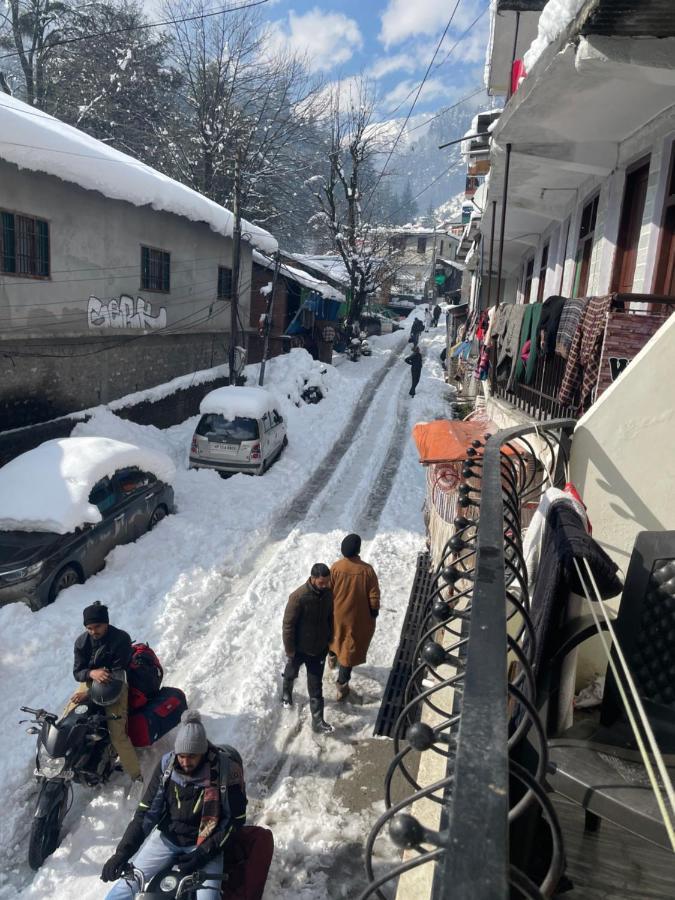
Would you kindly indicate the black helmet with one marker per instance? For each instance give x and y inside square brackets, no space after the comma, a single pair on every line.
[110,692]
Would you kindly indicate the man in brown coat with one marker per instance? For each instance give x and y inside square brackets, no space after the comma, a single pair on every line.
[307,633]
[356,604]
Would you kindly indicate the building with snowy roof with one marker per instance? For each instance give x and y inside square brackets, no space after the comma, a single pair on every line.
[113,276]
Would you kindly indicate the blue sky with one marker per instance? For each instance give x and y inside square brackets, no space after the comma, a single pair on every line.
[393,42]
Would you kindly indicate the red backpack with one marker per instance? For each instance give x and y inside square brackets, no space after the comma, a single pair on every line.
[144,675]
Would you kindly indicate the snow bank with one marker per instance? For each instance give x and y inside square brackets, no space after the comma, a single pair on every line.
[292,373]
[231,401]
[34,140]
[47,489]
[554,19]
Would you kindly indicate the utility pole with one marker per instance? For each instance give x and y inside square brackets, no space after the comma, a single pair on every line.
[269,311]
[351,231]
[236,265]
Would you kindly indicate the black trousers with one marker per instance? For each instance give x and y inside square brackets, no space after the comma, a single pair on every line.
[314,666]
[415,382]
[344,672]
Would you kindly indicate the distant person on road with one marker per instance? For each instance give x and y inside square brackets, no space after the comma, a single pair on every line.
[100,651]
[415,363]
[415,331]
[437,314]
[428,318]
[307,633]
[356,605]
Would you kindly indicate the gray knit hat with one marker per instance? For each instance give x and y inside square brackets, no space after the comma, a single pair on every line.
[191,736]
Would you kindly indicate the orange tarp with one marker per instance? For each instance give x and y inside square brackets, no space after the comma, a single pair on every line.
[447,440]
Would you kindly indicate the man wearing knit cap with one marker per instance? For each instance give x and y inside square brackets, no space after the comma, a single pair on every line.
[188,816]
[356,604]
[101,649]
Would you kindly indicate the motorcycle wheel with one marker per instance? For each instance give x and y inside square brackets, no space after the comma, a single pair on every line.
[45,830]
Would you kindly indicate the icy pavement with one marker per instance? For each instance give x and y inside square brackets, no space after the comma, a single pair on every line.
[207,590]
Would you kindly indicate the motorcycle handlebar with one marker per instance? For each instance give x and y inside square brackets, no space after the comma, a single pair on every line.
[38,713]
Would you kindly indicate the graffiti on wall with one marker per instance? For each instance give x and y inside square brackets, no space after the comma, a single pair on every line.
[124,312]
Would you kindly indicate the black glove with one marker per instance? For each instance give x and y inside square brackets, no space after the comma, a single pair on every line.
[114,866]
[187,863]
[374,612]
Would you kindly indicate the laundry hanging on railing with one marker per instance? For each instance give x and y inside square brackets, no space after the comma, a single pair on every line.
[583,361]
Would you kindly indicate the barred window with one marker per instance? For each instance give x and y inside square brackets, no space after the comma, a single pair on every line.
[24,245]
[224,283]
[155,270]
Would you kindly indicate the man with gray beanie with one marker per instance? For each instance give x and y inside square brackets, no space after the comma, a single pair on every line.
[356,605]
[192,807]
[99,651]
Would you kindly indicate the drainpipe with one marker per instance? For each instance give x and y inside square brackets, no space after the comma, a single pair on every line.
[492,247]
[513,57]
[502,225]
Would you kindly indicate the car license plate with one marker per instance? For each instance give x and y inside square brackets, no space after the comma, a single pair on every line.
[224,448]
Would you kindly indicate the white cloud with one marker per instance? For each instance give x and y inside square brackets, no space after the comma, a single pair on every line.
[403,19]
[326,39]
[405,91]
[385,65]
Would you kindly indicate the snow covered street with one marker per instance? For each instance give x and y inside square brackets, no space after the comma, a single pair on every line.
[207,590]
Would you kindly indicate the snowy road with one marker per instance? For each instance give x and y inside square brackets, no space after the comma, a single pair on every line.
[208,590]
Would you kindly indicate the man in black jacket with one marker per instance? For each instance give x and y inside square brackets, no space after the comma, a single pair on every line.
[416,329]
[99,650]
[192,808]
[307,633]
[415,363]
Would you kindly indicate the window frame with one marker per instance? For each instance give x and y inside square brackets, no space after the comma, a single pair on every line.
[166,253]
[220,294]
[582,263]
[625,253]
[35,219]
[543,268]
[660,263]
[422,244]
[528,277]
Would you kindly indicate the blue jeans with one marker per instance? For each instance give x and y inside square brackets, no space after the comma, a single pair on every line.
[156,854]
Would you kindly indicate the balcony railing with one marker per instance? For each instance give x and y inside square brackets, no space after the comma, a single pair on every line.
[463,692]
[629,326]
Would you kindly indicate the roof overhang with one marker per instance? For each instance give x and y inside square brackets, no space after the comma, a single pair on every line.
[502,35]
[567,122]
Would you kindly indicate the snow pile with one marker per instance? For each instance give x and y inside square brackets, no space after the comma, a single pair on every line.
[34,140]
[47,489]
[292,373]
[554,19]
[232,402]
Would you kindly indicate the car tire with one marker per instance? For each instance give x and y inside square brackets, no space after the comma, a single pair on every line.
[64,578]
[284,443]
[157,516]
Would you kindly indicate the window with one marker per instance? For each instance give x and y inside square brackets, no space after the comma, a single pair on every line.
[630,225]
[664,283]
[224,283]
[234,430]
[543,266]
[441,248]
[132,479]
[102,495]
[421,245]
[585,248]
[155,270]
[397,242]
[527,281]
[24,245]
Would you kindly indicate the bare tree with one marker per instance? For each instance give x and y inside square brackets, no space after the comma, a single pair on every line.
[355,143]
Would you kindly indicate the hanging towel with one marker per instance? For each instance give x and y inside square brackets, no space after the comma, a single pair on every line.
[569,322]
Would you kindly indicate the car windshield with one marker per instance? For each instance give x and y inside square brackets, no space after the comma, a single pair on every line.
[220,429]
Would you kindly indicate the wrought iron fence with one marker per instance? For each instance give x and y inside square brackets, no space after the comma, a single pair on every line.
[470,701]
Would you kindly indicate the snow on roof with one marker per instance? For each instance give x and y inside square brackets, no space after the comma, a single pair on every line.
[231,401]
[332,266]
[303,278]
[554,19]
[47,488]
[33,140]
[451,262]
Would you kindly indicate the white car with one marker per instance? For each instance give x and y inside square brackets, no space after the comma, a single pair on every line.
[240,430]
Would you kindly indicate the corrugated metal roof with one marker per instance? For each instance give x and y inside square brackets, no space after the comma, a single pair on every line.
[629,18]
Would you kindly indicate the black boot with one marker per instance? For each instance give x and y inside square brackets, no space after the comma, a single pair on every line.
[287,692]
[318,724]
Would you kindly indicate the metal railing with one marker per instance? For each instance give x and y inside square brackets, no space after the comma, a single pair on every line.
[471,697]
[539,397]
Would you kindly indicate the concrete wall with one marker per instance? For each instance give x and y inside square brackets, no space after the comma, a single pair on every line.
[60,349]
[623,464]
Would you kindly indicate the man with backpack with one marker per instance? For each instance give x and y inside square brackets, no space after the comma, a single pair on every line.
[189,815]
[415,363]
[99,651]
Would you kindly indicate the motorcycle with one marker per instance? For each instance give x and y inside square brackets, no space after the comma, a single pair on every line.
[353,349]
[76,748]
[168,884]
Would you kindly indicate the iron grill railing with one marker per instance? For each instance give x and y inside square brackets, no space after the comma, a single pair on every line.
[470,701]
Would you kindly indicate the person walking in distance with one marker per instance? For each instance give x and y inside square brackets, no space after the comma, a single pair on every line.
[428,318]
[356,605]
[307,633]
[415,363]
[437,314]
[416,329]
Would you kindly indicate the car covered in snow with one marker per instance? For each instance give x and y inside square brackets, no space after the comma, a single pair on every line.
[65,504]
[240,430]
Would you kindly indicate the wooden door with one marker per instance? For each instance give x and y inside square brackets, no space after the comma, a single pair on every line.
[632,210]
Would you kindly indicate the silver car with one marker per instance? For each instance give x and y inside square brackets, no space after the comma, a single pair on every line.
[232,442]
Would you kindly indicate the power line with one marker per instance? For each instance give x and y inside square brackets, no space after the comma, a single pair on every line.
[446,109]
[410,111]
[146,25]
